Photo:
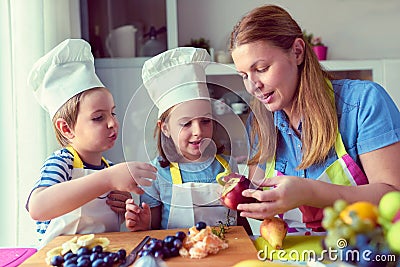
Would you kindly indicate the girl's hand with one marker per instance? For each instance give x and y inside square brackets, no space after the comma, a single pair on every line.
[285,193]
[116,200]
[128,176]
[136,218]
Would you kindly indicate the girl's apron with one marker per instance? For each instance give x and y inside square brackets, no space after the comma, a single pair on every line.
[194,202]
[93,217]
[344,171]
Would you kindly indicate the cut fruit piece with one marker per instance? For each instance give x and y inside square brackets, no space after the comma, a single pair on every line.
[54,252]
[85,240]
[99,241]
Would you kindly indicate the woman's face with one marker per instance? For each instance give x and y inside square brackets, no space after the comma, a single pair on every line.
[190,126]
[270,73]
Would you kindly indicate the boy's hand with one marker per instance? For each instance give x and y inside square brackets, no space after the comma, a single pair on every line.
[116,200]
[129,176]
[136,218]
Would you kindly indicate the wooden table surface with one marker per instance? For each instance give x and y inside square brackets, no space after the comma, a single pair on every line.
[240,248]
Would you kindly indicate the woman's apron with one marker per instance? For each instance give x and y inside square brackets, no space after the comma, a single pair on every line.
[194,202]
[93,217]
[344,171]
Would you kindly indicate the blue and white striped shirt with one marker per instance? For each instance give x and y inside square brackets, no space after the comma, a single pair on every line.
[57,168]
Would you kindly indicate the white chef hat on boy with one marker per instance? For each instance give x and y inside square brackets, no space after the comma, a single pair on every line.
[175,76]
[68,69]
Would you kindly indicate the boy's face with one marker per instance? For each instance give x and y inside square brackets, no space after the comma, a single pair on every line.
[190,126]
[96,128]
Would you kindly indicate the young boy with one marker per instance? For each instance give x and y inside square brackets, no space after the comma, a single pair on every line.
[78,191]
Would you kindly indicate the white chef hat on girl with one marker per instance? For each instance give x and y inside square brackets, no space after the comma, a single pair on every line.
[67,70]
[175,76]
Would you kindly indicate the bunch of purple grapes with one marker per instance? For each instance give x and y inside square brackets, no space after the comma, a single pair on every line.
[164,248]
[169,246]
[369,250]
[85,257]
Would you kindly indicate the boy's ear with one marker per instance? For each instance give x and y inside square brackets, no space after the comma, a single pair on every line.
[164,128]
[64,128]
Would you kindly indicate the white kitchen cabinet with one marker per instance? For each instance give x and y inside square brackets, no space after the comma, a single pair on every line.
[385,72]
[100,18]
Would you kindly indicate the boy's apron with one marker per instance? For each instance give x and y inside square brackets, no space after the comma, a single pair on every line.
[344,171]
[194,202]
[93,217]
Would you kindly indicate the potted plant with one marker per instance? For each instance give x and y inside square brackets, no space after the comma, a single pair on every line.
[318,47]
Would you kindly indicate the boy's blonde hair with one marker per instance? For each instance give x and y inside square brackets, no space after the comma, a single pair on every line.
[69,112]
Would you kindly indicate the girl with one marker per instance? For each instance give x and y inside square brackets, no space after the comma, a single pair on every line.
[73,194]
[189,163]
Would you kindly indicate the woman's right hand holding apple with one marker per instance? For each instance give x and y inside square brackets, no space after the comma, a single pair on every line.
[285,193]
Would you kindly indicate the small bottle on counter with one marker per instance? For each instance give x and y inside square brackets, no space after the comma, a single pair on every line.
[153,46]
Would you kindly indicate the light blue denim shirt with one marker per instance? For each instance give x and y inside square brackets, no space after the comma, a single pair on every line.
[368,120]
[160,192]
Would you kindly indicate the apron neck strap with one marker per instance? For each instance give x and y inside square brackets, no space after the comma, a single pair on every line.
[339,146]
[176,173]
[78,163]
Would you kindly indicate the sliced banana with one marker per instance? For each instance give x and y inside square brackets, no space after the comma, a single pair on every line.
[85,240]
[75,243]
[54,252]
[75,247]
[102,241]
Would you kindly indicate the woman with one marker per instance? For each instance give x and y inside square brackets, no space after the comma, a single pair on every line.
[324,139]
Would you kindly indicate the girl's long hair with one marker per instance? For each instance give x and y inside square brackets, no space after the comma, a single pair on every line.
[314,99]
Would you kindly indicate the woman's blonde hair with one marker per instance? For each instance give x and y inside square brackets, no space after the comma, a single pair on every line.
[314,101]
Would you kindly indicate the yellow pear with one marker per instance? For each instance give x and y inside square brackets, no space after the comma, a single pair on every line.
[274,230]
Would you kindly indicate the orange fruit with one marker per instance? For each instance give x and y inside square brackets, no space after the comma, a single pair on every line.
[363,209]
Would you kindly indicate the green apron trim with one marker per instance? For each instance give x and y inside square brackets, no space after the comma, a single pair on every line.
[335,171]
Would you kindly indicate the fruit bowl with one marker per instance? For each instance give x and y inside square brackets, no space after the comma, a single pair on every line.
[362,233]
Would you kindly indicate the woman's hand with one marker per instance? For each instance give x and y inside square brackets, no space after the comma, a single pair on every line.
[116,200]
[285,193]
[136,218]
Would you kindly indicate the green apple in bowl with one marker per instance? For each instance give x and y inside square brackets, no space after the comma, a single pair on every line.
[392,237]
[389,205]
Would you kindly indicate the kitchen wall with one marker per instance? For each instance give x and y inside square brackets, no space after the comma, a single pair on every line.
[353,29]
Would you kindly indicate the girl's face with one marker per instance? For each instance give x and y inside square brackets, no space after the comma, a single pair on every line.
[96,128]
[190,126]
[270,73]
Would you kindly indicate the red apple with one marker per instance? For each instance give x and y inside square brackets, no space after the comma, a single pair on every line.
[231,195]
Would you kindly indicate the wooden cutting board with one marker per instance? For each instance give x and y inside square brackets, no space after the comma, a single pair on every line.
[240,248]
